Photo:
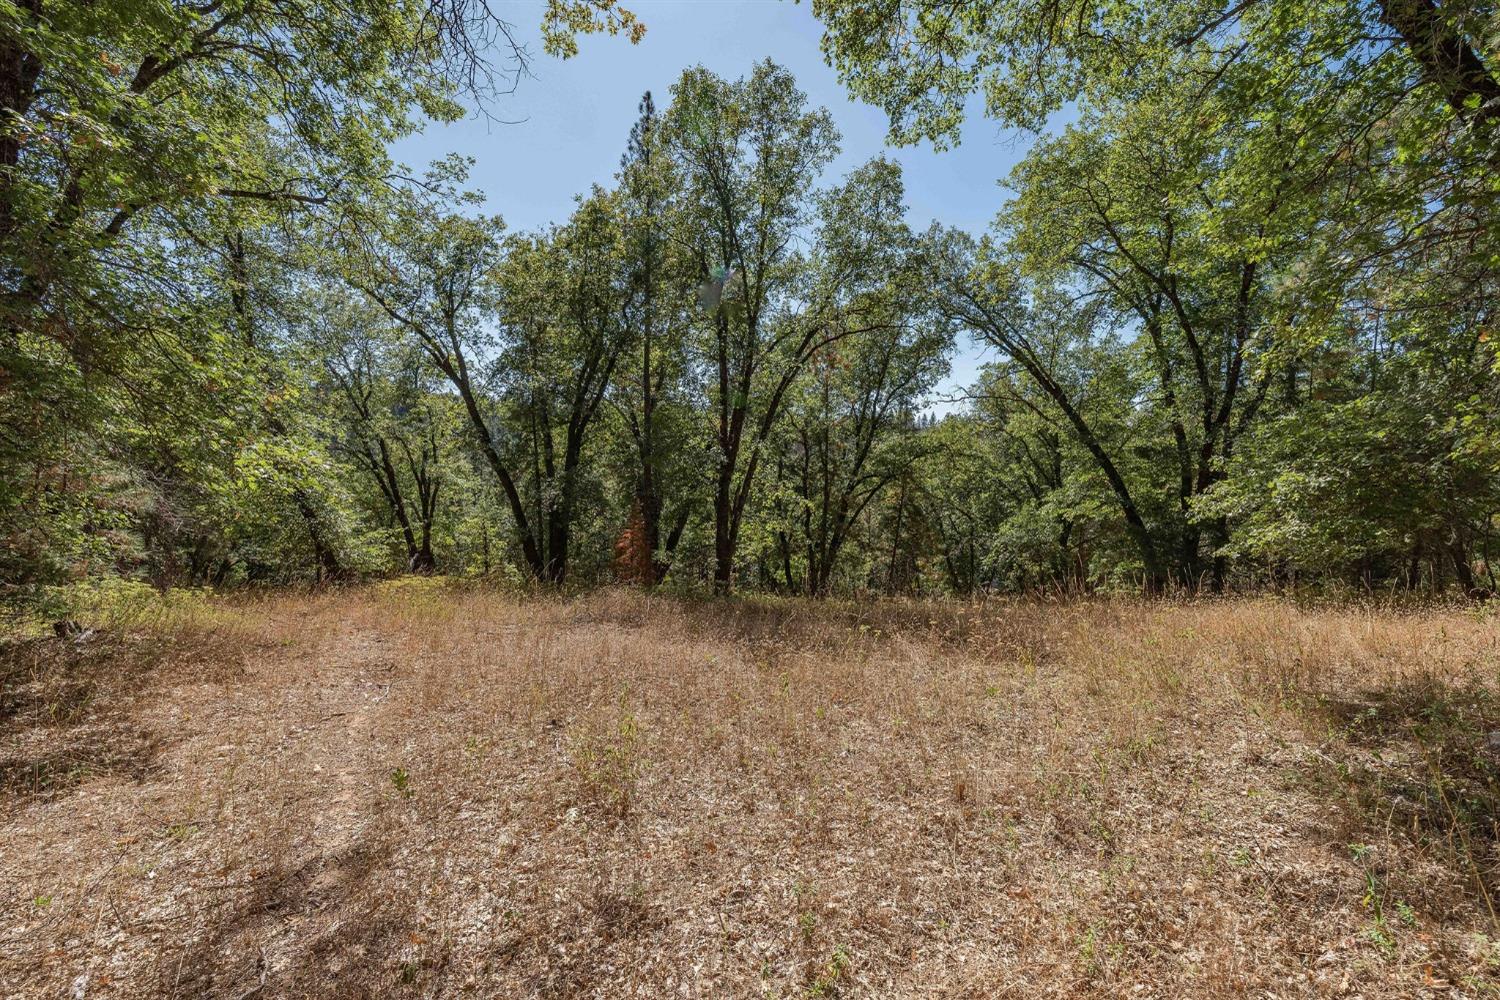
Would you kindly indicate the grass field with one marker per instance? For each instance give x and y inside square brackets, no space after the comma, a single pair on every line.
[426,790]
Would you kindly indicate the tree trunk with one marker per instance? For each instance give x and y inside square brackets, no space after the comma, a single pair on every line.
[723,543]
[1463,569]
[1447,60]
[422,560]
[324,557]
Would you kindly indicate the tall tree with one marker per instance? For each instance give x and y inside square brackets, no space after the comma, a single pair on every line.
[656,312]
[748,151]
[386,421]
[851,419]
[1129,212]
[982,291]
[561,314]
[428,267]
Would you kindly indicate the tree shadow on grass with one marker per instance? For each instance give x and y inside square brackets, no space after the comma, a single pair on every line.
[348,923]
[63,720]
[69,709]
[1420,761]
[317,925]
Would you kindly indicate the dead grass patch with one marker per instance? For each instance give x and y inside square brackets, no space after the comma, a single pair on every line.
[423,790]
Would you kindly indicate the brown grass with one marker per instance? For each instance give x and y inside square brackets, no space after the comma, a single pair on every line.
[434,791]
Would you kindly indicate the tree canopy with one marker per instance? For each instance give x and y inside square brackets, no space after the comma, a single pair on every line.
[1238,310]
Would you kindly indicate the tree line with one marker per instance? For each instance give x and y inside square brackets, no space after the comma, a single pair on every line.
[1238,308]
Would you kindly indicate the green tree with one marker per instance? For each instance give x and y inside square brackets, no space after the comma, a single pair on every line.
[850,427]
[136,141]
[385,419]
[561,308]
[652,394]
[748,151]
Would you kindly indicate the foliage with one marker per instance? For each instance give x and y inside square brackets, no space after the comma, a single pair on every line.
[1239,311]
[158,165]
[1277,219]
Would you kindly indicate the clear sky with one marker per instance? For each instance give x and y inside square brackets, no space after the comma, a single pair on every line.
[567,122]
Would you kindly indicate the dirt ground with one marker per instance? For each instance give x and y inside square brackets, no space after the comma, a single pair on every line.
[431,791]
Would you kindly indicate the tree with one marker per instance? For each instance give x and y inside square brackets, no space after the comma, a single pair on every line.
[922,59]
[851,420]
[428,268]
[386,421]
[135,142]
[747,151]
[528,332]
[1125,211]
[1244,186]
[1379,464]
[955,494]
[561,309]
[650,396]
[983,292]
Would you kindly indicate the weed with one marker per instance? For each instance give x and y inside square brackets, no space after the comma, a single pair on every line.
[807,925]
[1379,932]
[609,764]
[825,983]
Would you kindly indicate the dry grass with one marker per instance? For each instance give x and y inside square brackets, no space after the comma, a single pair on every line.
[429,791]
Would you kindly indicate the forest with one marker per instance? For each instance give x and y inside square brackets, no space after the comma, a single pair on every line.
[786,564]
[1236,311]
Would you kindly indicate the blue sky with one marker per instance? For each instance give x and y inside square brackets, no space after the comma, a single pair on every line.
[568,120]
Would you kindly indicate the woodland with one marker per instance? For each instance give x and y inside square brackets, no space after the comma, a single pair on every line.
[1238,310]
[397,604]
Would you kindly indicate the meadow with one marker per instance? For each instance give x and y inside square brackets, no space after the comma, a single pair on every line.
[428,789]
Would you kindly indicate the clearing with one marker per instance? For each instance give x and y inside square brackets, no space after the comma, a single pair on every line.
[422,789]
